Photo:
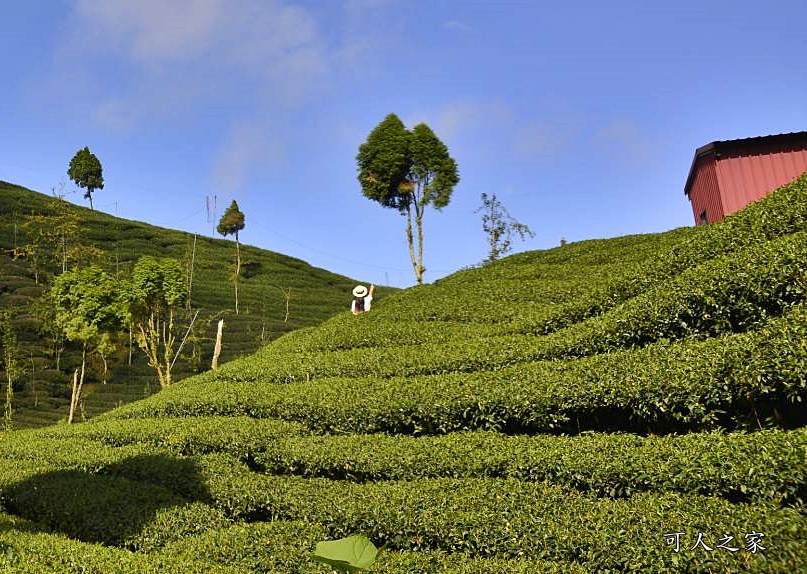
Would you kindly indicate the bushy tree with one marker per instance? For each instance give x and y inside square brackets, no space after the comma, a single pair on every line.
[86,171]
[408,171]
[230,224]
[88,311]
[152,298]
[500,226]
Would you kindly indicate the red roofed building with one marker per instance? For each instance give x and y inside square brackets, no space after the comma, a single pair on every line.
[728,175]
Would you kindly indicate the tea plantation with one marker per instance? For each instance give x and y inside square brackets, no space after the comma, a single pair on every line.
[625,405]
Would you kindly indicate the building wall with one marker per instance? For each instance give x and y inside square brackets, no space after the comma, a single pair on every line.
[704,195]
[745,178]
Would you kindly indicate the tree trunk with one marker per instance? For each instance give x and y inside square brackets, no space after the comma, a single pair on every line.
[410,239]
[419,269]
[168,348]
[237,270]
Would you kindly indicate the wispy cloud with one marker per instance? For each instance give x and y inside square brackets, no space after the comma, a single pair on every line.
[190,50]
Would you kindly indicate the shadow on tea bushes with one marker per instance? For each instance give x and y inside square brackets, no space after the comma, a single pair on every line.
[111,507]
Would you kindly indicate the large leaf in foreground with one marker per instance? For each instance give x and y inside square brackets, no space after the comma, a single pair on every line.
[349,554]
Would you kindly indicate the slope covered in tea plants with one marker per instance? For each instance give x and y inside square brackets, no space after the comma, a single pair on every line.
[277,294]
[624,405]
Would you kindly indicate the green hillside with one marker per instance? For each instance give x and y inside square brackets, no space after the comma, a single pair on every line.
[624,405]
[30,219]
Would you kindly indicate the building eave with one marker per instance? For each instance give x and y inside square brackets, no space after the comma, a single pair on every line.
[700,153]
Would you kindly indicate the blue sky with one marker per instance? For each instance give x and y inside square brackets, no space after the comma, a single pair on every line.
[582,116]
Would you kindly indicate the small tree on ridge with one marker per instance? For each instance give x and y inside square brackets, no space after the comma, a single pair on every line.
[230,224]
[86,171]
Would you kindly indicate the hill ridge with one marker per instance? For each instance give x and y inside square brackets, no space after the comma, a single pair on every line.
[267,278]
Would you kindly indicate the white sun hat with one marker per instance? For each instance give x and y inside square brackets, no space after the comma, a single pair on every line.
[360,291]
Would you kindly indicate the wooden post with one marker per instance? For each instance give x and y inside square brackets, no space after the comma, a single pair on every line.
[73,397]
[217,349]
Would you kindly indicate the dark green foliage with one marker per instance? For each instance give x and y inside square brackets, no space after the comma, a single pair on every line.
[384,164]
[760,466]
[432,168]
[87,304]
[232,221]
[86,171]
[510,518]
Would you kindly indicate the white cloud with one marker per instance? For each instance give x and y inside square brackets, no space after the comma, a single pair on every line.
[152,30]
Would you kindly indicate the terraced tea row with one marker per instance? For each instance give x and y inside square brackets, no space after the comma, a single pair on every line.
[761,466]
[736,380]
[509,518]
[271,548]
[476,516]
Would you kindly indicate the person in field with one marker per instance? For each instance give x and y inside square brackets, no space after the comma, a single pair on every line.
[362,299]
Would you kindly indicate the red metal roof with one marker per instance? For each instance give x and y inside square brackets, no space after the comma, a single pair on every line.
[726,147]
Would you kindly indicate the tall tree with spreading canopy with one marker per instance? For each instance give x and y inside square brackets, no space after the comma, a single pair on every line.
[230,224]
[86,171]
[408,171]
[500,226]
[152,298]
[88,311]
